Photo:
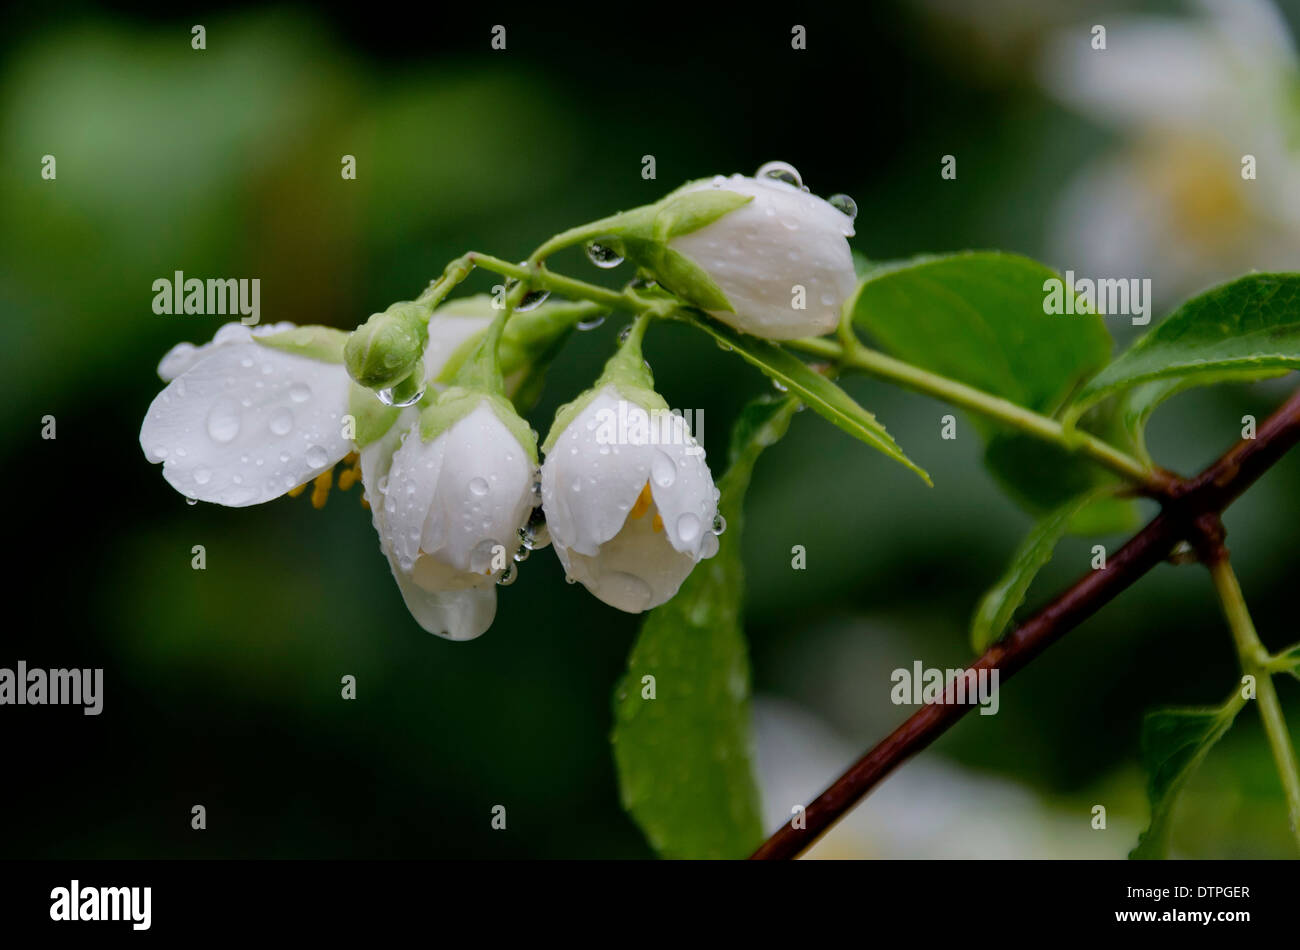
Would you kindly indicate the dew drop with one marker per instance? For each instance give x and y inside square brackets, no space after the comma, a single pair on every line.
[317,457]
[508,576]
[781,171]
[478,486]
[191,501]
[780,386]
[603,256]
[299,392]
[532,300]
[389,398]
[844,205]
[202,476]
[592,323]
[282,421]
[719,524]
[688,527]
[663,469]
[223,420]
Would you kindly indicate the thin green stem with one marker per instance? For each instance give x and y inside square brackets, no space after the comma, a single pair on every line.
[579,235]
[1254,662]
[856,356]
[558,283]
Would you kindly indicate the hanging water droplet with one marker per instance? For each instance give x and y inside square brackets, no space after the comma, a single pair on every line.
[592,323]
[624,333]
[522,554]
[603,256]
[641,282]
[532,300]
[478,486]
[844,205]
[719,524]
[508,576]
[781,171]
[191,501]
[389,398]
[780,386]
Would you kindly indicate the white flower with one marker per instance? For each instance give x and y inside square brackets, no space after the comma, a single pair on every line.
[240,423]
[1191,96]
[782,260]
[448,512]
[629,517]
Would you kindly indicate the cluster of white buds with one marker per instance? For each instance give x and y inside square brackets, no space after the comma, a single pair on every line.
[419,398]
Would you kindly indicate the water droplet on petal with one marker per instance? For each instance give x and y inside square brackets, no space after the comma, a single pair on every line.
[781,171]
[719,524]
[844,205]
[317,457]
[191,501]
[663,469]
[688,527]
[202,476]
[299,392]
[223,420]
[282,421]
[477,486]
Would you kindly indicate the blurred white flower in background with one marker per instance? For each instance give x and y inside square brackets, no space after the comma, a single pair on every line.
[1190,97]
[929,808]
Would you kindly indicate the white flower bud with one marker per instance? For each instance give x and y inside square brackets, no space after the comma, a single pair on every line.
[448,512]
[782,259]
[629,501]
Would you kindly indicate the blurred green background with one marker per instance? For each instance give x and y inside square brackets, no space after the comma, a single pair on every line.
[222,686]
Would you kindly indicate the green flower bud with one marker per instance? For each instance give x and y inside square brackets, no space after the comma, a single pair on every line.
[386,349]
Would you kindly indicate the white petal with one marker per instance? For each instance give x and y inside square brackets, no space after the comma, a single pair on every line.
[459,499]
[636,570]
[758,254]
[184,355]
[447,331]
[458,615]
[683,491]
[588,487]
[245,423]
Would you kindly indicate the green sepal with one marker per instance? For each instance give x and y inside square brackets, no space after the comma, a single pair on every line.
[691,207]
[373,419]
[677,272]
[314,342]
[453,404]
[627,372]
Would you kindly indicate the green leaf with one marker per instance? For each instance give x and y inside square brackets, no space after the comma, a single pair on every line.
[812,388]
[685,757]
[999,603]
[1244,330]
[1174,742]
[978,317]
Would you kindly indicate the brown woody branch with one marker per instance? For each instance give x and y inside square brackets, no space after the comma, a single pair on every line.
[1190,512]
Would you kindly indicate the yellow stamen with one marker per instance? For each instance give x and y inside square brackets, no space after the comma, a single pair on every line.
[658,524]
[295,492]
[643,502]
[320,488]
